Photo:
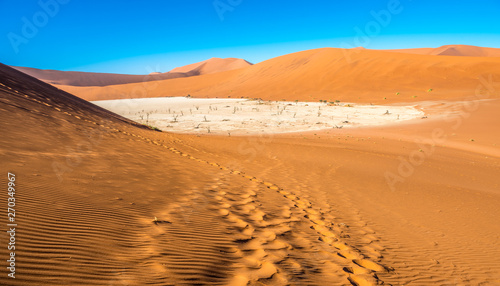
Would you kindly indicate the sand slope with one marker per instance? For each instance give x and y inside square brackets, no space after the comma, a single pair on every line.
[104,202]
[88,191]
[436,226]
[213,65]
[94,79]
[453,50]
[267,210]
[72,78]
[330,74]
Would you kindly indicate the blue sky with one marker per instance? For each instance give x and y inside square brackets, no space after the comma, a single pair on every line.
[139,37]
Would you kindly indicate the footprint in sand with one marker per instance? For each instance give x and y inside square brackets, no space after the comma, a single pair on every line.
[260,247]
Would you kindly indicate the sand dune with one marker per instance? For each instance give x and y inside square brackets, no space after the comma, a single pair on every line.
[453,50]
[102,200]
[326,74]
[436,226]
[213,65]
[79,221]
[72,78]
[106,202]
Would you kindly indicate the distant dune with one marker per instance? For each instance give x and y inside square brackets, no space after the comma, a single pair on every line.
[213,65]
[453,50]
[73,78]
[356,75]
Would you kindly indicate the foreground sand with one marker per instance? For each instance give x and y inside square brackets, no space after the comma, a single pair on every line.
[268,210]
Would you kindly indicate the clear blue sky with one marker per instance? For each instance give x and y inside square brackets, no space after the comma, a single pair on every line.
[157,35]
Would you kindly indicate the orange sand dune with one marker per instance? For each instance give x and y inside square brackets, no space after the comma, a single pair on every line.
[94,79]
[453,50]
[103,201]
[330,74]
[213,65]
[421,198]
[90,184]
[72,78]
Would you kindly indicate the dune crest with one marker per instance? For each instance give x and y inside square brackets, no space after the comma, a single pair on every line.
[365,76]
[453,50]
[106,201]
[213,65]
[73,78]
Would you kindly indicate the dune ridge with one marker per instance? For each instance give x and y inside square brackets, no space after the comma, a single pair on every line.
[106,201]
[73,78]
[453,50]
[120,229]
[326,74]
[213,65]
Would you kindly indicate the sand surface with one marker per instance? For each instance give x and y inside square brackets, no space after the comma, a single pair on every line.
[74,78]
[453,50]
[102,200]
[242,116]
[213,65]
[216,65]
[361,76]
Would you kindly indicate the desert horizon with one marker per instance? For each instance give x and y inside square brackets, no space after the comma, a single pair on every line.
[168,144]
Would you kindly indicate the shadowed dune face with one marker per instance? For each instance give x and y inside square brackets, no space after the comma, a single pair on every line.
[95,79]
[88,191]
[72,78]
[326,74]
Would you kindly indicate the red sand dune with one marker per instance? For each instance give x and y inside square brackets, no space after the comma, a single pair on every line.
[213,65]
[453,50]
[72,78]
[328,74]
